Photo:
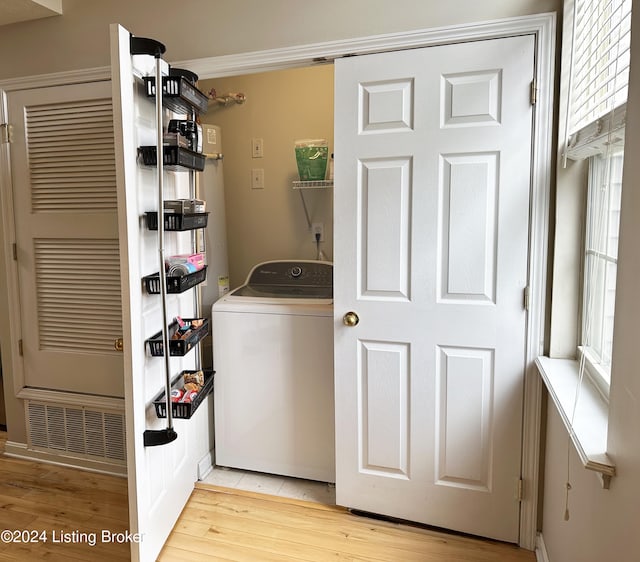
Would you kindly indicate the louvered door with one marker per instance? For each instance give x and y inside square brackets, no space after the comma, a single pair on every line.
[63,169]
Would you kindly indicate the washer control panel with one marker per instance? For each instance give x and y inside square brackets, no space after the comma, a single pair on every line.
[292,273]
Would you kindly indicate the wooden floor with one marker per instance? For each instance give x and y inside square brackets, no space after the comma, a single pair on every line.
[39,500]
[221,524]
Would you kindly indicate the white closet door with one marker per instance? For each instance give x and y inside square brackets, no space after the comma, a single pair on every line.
[432,183]
[161,478]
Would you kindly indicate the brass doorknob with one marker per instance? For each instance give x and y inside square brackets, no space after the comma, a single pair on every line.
[118,344]
[350,319]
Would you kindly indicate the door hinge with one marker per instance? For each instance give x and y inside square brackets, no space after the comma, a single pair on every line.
[526,298]
[533,94]
[20,348]
[6,133]
[520,490]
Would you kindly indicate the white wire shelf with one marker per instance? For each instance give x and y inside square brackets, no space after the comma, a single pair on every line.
[314,184]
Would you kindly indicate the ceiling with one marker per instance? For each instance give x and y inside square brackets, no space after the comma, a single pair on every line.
[13,11]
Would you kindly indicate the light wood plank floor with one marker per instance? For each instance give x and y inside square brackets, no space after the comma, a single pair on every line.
[217,524]
[221,524]
[37,497]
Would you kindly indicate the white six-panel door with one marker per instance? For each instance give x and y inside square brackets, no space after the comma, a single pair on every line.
[433,166]
[161,478]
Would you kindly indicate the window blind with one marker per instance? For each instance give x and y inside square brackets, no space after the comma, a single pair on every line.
[600,62]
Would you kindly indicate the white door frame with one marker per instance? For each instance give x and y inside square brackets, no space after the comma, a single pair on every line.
[542,26]
[10,335]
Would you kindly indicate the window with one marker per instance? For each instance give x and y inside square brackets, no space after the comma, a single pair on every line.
[600,263]
[600,51]
[595,61]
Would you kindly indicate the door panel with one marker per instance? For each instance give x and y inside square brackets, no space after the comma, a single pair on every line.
[464,391]
[433,159]
[469,197]
[384,415]
[471,98]
[384,191]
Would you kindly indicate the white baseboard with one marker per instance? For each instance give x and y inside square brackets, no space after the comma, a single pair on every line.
[205,465]
[541,549]
[21,451]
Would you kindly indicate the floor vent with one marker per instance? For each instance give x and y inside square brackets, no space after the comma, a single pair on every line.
[77,431]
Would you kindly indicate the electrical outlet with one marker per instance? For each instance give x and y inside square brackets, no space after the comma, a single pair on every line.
[317,228]
[257,178]
[256,148]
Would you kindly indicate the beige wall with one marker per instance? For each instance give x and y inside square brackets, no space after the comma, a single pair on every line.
[281,107]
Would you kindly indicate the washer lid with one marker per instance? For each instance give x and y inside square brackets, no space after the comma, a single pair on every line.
[289,280]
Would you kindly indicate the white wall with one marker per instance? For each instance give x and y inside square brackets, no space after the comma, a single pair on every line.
[203,28]
[604,524]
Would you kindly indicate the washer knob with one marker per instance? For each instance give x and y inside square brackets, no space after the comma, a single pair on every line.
[296,271]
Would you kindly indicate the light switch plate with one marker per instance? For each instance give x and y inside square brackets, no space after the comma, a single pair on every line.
[257,178]
[256,148]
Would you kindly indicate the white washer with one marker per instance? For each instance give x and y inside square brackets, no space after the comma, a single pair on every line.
[273,357]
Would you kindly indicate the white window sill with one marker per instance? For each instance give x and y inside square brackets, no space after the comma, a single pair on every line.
[589,429]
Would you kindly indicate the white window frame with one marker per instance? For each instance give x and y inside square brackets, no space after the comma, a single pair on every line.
[605,179]
[598,68]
